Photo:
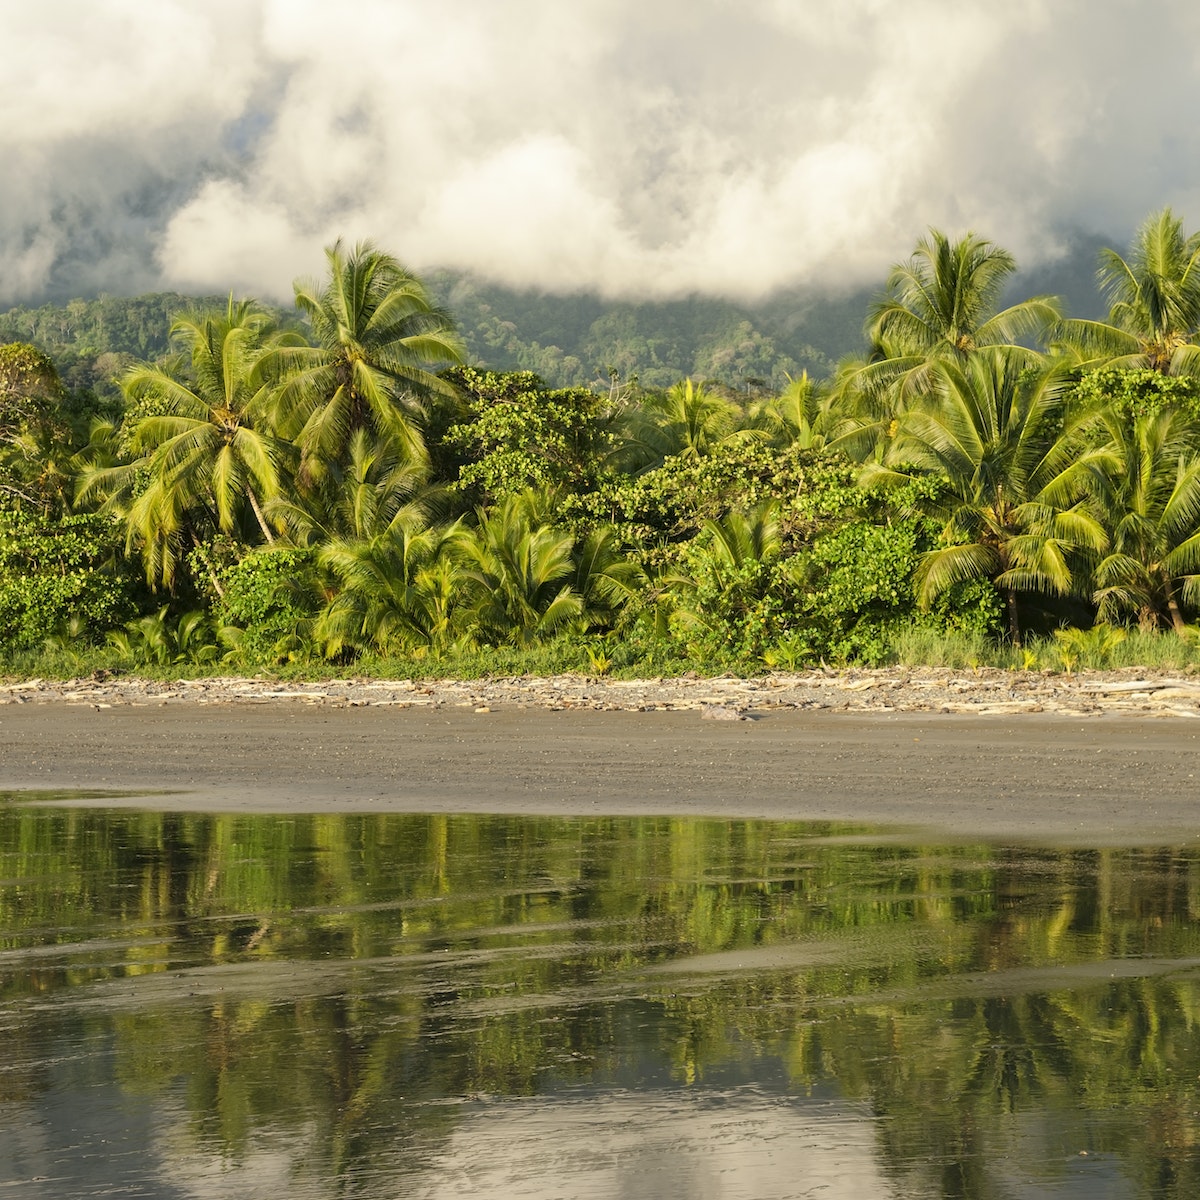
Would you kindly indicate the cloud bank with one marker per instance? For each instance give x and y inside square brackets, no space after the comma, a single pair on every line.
[634,149]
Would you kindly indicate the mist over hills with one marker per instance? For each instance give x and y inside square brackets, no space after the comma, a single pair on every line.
[576,339]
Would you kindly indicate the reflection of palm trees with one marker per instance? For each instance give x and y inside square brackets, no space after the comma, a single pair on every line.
[558,932]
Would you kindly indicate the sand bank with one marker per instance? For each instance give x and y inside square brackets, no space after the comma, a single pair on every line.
[1112,778]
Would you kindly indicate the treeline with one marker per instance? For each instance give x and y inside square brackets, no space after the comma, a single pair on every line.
[340,486]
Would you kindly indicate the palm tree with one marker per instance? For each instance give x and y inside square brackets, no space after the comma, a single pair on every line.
[521,569]
[801,415]
[378,337]
[391,577]
[607,579]
[941,305]
[686,421]
[1016,511]
[395,590]
[1154,297]
[943,301]
[729,569]
[360,497]
[1150,497]
[204,450]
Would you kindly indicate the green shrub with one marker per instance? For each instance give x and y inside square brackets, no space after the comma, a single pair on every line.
[269,594]
[54,571]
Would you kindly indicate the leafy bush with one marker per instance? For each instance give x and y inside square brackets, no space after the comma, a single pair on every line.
[52,572]
[268,594]
[518,434]
[665,508]
[1137,393]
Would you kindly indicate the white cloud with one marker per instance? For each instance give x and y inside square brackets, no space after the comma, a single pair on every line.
[644,149]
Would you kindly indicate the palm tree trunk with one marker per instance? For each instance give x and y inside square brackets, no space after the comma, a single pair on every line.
[258,512]
[1177,621]
[1014,628]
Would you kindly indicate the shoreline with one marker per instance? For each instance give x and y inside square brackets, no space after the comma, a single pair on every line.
[1052,776]
[989,691]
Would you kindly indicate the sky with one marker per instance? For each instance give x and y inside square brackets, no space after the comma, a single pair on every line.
[636,148]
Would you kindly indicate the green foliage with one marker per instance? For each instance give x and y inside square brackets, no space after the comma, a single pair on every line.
[28,378]
[725,595]
[669,505]
[520,567]
[268,595]
[687,421]
[401,590]
[1015,507]
[1087,647]
[53,572]
[515,434]
[1136,392]
[158,640]
[36,432]
[919,645]
[861,592]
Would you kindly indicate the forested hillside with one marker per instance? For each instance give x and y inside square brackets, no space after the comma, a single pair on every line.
[569,341]
[93,341]
[579,340]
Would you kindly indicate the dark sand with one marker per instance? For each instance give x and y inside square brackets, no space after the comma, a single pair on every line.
[1097,781]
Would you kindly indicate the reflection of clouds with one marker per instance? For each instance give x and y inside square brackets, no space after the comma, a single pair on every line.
[270,1164]
[729,1145]
[652,149]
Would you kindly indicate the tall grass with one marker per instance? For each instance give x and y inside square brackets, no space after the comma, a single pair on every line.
[1098,649]
[1068,651]
[923,647]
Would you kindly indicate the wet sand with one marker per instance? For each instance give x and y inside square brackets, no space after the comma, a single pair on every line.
[1101,780]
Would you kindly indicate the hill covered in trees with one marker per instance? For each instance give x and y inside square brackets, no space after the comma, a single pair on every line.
[575,340]
[569,341]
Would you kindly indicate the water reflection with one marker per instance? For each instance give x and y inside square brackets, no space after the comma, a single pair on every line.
[324,1006]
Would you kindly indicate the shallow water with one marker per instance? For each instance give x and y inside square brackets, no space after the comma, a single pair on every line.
[425,1006]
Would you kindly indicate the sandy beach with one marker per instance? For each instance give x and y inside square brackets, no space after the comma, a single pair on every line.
[1125,771]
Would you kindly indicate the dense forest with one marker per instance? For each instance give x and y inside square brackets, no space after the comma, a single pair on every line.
[569,341]
[395,475]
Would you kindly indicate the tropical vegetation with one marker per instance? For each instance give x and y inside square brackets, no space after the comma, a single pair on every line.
[352,483]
